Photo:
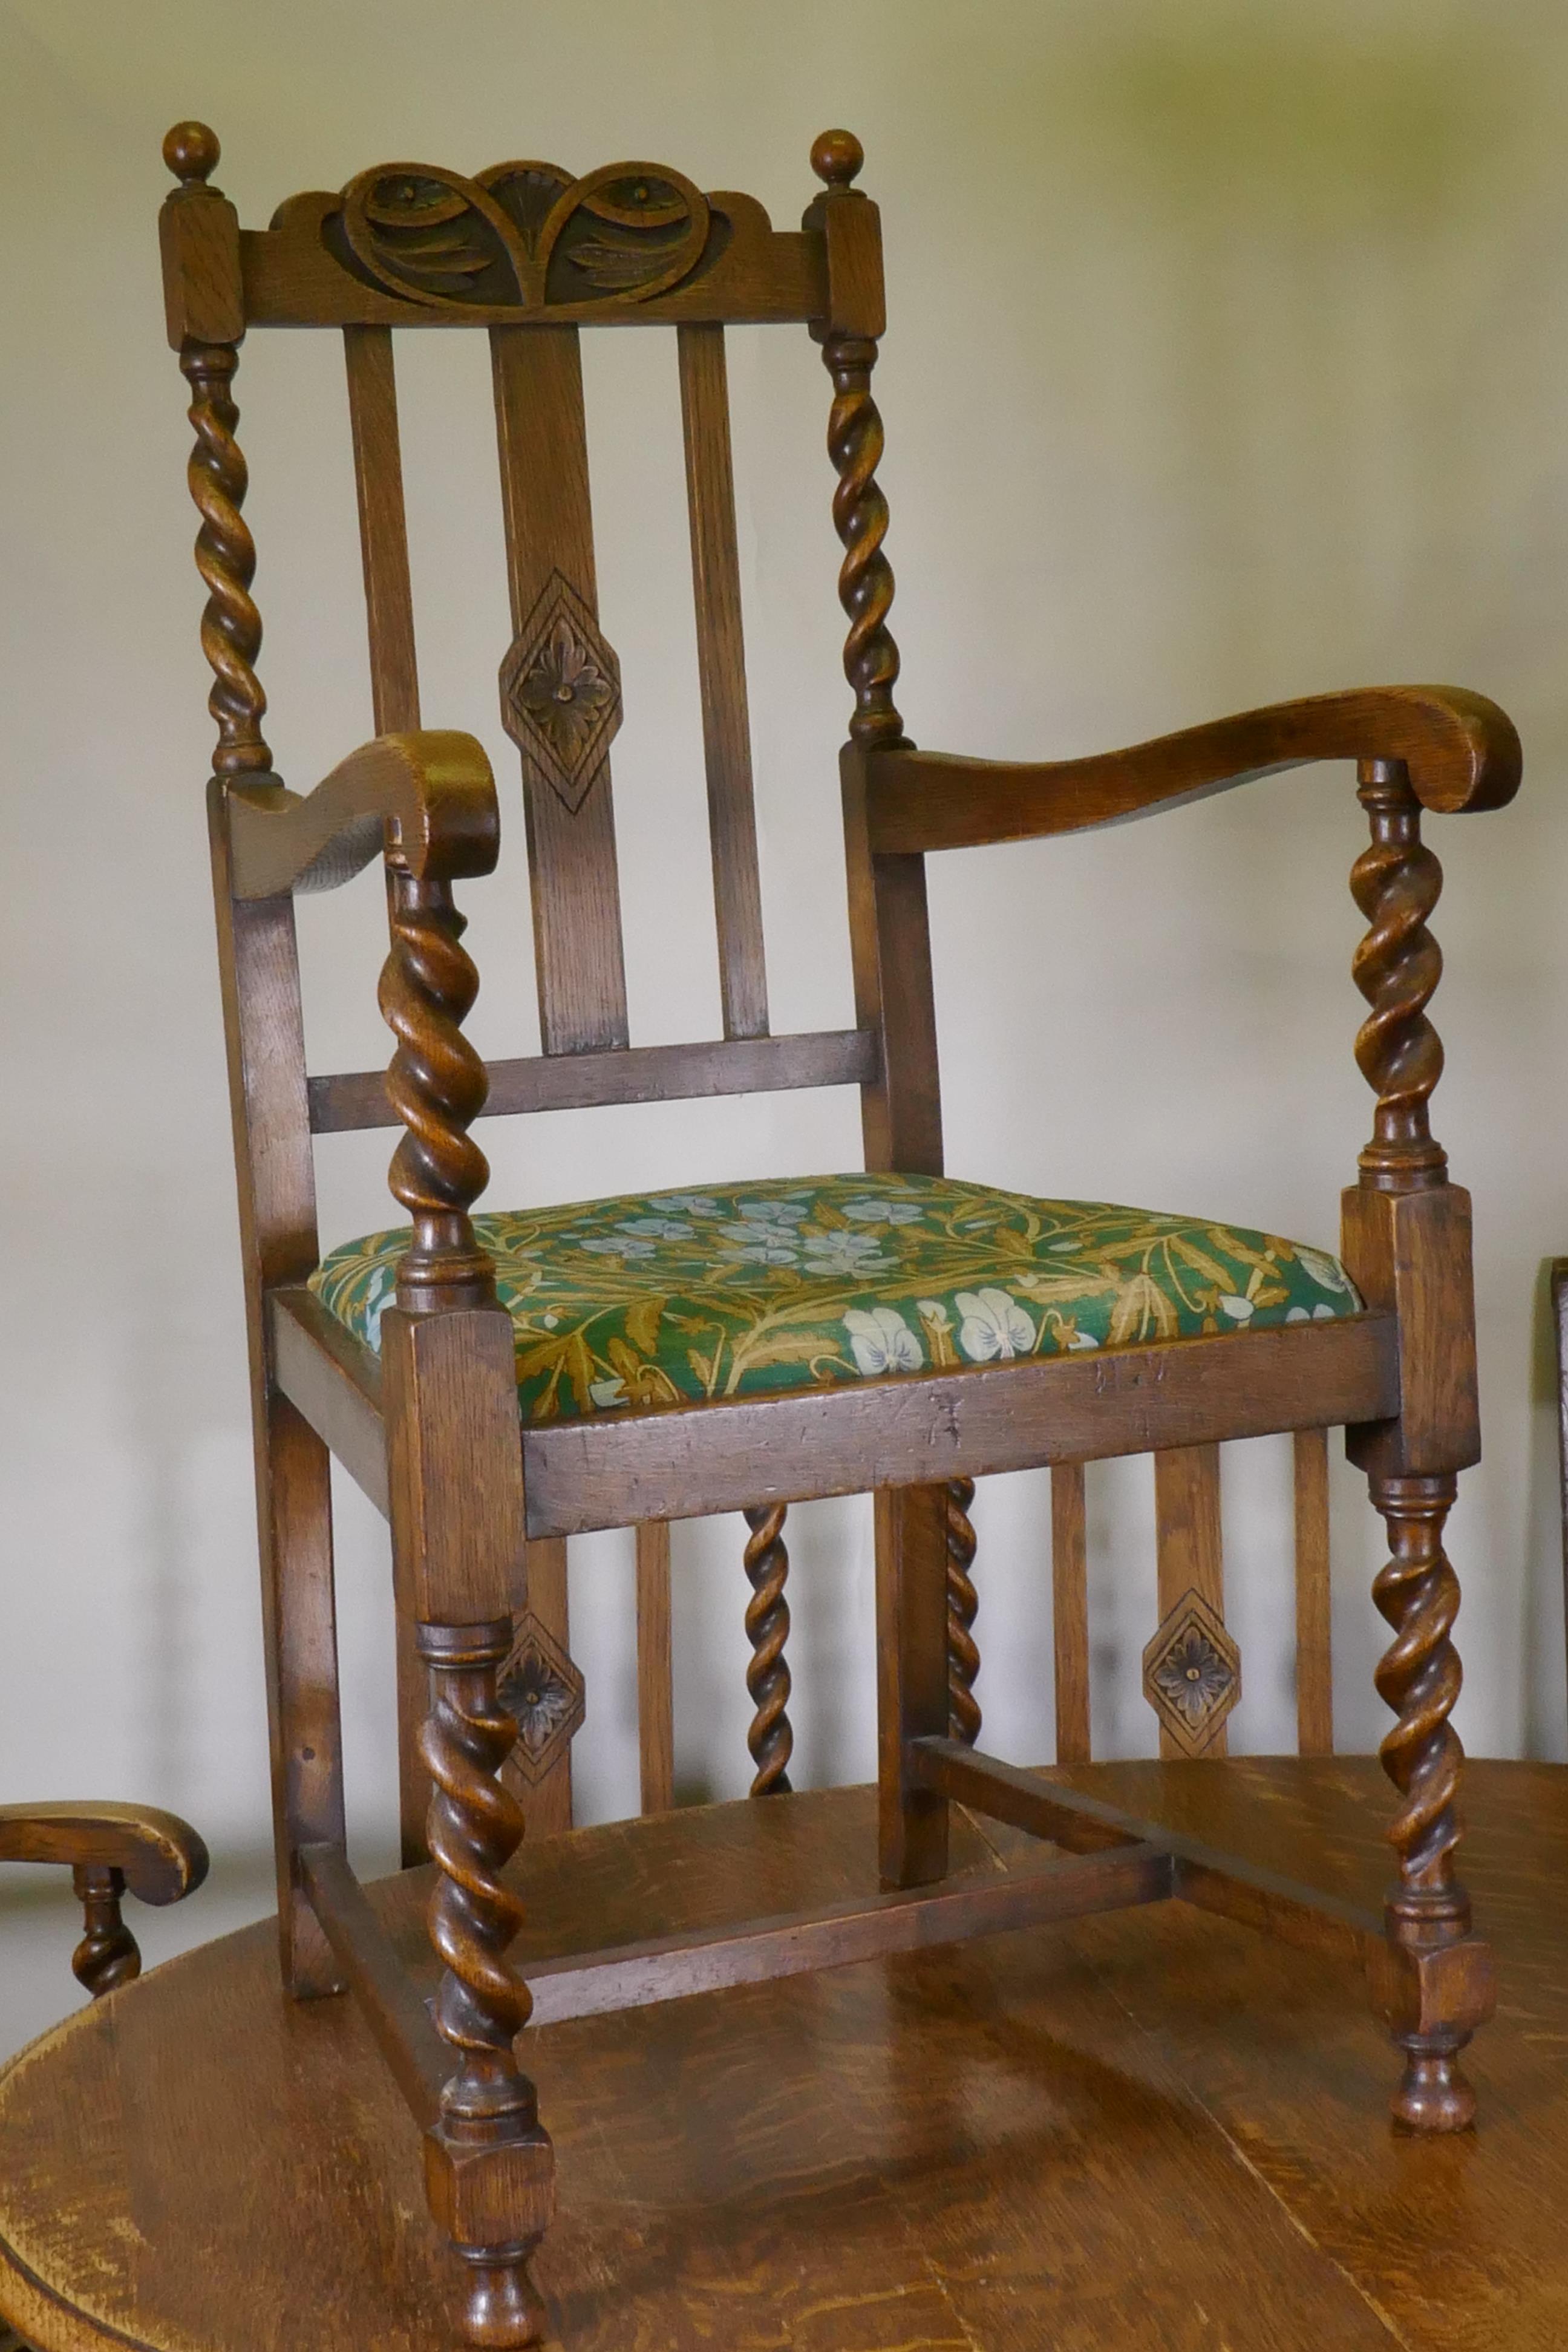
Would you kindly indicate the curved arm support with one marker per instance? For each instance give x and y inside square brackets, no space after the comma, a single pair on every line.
[429,800]
[1462,752]
[161,1856]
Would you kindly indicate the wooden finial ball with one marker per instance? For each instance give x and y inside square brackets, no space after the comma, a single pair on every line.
[191,152]
[837,156]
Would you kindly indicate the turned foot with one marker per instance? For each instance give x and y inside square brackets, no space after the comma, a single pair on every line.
[1433,2094]
[502,2308]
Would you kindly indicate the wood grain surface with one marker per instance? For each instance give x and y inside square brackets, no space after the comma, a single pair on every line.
[1145,2131]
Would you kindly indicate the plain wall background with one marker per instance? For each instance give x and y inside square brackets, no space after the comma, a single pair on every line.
[1225,364]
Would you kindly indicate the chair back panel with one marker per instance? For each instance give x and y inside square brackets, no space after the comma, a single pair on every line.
[527,253]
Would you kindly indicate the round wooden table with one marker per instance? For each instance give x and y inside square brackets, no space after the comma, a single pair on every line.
[1149,2129]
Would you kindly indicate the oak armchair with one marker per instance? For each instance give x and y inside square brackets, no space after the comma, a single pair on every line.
[490,1380]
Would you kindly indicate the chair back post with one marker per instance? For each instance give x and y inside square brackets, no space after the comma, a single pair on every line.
[889,924]
[926,1651]
[258,964]
[1406,1245]
[447,1360]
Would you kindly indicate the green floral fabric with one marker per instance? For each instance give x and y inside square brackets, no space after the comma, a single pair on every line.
[667,1298]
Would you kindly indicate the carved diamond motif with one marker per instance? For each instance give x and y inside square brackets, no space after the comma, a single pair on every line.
[1192,1674]
[560,691]
[541,1687]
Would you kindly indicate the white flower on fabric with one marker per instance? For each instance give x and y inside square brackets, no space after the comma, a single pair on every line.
[1325,1271]
[935,1314]
[607,1393]
[783,1212]
[761,1244]
[692,1205]
[1238,1309]
[994,1326]
[841,1253]
[884,1212]
[882,1341]
[1322,1315]
[1082,1339]
[662,1229]
[1296,1314]
[609,1247]
[377,1299]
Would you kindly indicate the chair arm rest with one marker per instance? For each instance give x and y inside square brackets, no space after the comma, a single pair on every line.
[1462,752]
[161,1856]
[429,800]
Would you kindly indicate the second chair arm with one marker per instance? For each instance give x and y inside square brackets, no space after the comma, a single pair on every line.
[1461,751]
[108,1848]
[160,1856]
[427,799]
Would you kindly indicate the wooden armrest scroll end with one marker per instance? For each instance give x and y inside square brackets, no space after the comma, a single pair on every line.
[427,799]
[162,1857]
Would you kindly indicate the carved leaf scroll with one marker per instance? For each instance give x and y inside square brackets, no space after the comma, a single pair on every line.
[560,691]
[1192,1674]
[522,235]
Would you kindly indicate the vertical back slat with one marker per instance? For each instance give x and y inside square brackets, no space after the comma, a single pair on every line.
[382,528]
[1069,1610]
[721,669]
[656,1706]
[1314,1658]
[538,378]
[1191,1670]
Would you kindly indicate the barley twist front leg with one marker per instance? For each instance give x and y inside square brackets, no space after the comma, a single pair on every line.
[1419,1678]
[489,2162]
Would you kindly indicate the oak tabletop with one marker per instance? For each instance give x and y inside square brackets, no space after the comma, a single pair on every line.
[1147,2129]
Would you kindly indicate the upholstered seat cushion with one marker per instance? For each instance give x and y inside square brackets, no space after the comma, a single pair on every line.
[667,1298]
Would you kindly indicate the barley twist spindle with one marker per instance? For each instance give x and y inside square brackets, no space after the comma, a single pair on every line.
[769,1738]
[475,1827]
[962,1602]
[107,1954]
[1395,883]
[226,557]
[437,1085]
[860,517]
